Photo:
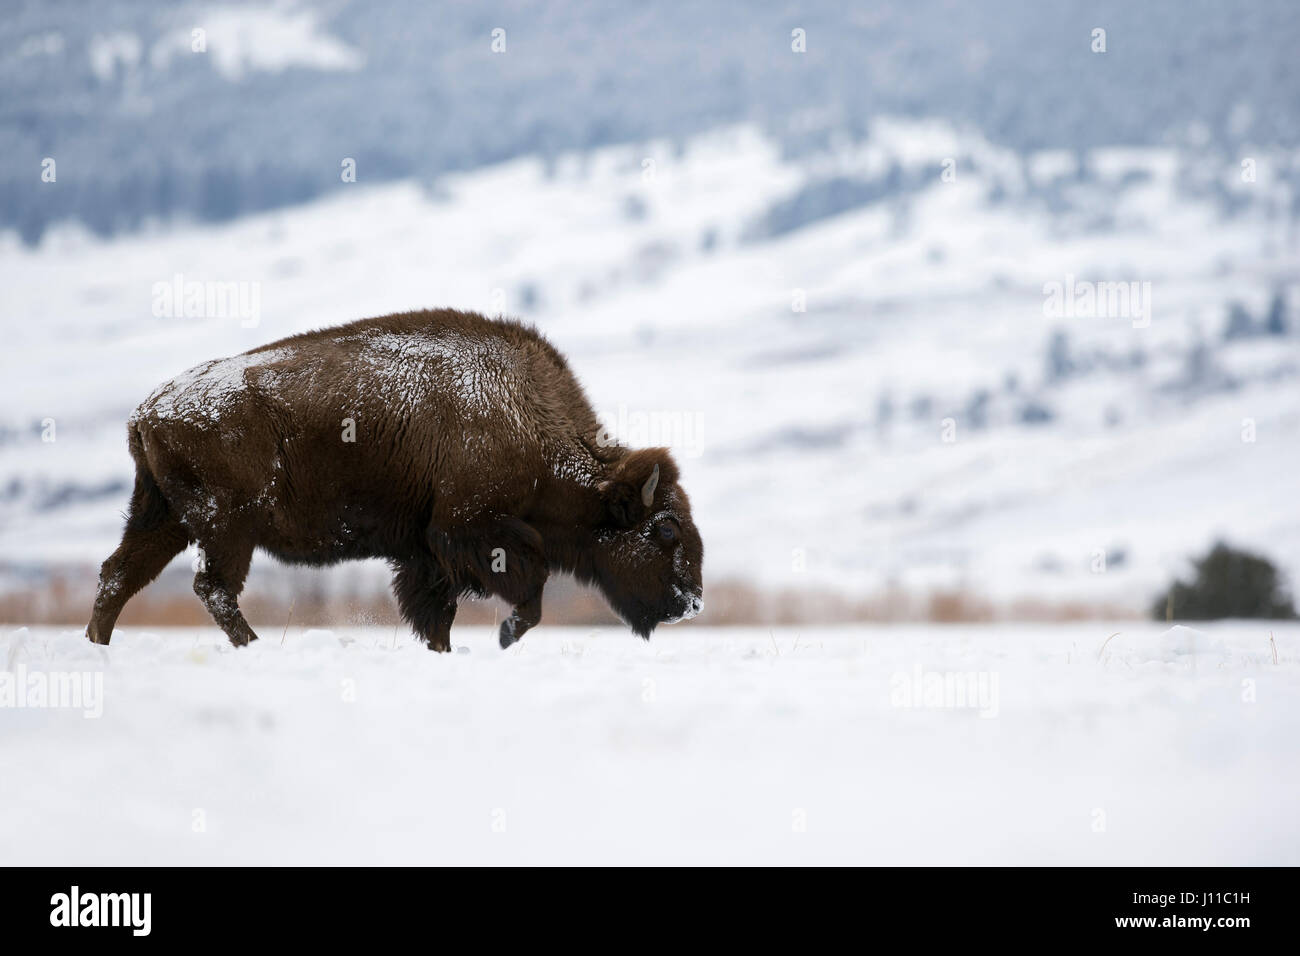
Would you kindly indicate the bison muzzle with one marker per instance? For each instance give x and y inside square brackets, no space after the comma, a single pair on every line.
[458,448]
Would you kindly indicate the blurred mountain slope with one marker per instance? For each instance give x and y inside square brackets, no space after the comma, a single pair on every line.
[864,383]
[142,127]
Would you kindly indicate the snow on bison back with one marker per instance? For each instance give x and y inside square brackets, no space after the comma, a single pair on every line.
[461,449]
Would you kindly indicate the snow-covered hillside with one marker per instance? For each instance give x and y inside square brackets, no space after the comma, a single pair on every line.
[853,351]
[905,745]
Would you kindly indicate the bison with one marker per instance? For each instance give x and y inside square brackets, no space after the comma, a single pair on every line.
[458,448]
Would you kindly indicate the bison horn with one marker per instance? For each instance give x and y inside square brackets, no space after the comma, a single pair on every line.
[648,489]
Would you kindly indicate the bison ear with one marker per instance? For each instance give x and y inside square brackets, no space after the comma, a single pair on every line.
[629,493]
[622,502]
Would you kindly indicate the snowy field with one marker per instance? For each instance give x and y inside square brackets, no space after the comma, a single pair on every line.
[721,302]
[883,745]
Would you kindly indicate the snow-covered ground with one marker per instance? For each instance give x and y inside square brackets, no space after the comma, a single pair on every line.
[856,745]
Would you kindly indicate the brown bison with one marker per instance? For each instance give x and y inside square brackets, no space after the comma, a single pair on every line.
[460,449]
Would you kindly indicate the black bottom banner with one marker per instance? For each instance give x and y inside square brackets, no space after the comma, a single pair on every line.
[1178,907]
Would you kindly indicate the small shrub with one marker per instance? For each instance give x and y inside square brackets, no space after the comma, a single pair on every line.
[1227,583]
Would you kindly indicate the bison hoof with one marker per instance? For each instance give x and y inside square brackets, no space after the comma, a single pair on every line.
[508,633]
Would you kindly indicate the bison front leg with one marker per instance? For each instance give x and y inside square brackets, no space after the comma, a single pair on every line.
[505,557]
[516,572]
[522,619]
[427,603]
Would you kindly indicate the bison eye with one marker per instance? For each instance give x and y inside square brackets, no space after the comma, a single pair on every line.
[667,533]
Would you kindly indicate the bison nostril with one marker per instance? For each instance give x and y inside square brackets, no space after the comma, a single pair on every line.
[694,606]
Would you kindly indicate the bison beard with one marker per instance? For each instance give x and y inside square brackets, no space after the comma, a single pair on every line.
[459,448]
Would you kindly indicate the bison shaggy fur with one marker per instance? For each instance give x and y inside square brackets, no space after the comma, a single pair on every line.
[458,448]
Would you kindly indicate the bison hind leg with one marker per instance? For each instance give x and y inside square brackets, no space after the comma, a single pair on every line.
[219,583]
[151,539]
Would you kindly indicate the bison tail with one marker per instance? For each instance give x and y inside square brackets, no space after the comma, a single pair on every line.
[149,507]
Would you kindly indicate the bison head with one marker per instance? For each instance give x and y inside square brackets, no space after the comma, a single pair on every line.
[648,556]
